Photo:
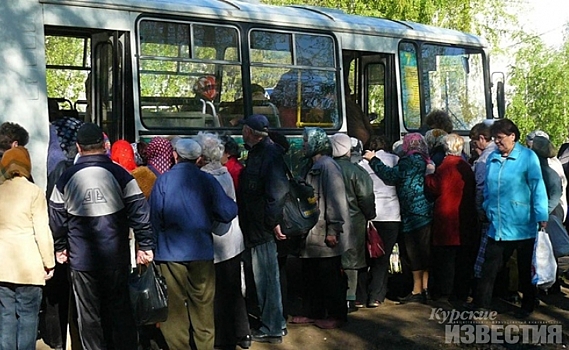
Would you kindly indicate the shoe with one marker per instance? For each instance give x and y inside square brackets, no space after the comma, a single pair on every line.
[261,337]
[373,304]
[351,306]
[329,323]
[426,295]
[284,332]
[359,305]
[244,342]
[301,320]
[413,298]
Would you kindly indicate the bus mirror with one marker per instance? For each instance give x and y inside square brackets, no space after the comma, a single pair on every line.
[500,99]
[498,80]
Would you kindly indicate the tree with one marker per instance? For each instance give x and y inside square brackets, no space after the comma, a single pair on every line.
[539,97]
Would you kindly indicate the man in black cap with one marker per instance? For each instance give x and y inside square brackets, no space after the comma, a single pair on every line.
[91,208]
[262,189]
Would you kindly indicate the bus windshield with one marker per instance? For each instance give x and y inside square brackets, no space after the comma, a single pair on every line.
[452,79]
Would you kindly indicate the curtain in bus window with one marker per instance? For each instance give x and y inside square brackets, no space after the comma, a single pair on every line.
[410,86]
[175,61]
[453,81]
[300,73]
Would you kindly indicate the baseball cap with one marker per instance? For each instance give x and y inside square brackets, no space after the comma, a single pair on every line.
[256,122]
[188,149]
[89,134]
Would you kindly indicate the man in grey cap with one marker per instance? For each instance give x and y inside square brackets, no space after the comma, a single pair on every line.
[262,189]
[185,202]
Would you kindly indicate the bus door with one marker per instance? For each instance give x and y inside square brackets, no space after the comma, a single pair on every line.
[111,85]
[372,85]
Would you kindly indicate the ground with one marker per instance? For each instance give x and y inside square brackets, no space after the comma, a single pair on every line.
[415,326]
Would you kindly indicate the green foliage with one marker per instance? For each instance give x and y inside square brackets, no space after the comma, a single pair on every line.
[539,98]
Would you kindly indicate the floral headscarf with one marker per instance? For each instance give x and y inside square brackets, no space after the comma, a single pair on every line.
[434,137]
[415,143]
[66,129]
[317,142]
[122,154]
[159,154]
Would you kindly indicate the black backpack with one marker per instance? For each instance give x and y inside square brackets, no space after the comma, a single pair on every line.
[300,212]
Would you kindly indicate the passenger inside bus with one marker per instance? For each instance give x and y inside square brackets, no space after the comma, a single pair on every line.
[233,111]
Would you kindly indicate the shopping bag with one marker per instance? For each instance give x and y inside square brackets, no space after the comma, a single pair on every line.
[558,236]
[148,295]
[374,243]
[544,263]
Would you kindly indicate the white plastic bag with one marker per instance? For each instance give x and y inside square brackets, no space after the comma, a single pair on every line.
[543,264]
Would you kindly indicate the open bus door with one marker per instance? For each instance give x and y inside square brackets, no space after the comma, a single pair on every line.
[111,85]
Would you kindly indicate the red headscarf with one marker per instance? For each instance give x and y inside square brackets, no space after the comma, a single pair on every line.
[122,153]
[206,86]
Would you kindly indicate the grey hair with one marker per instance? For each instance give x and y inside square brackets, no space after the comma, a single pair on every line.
[453,144]
[212,147]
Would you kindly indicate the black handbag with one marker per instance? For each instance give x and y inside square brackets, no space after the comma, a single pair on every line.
[148,295]
[300,212]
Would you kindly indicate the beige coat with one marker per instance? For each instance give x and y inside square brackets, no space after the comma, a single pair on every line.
[26,243]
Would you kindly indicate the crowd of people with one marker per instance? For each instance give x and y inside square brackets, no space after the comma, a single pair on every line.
[212,224]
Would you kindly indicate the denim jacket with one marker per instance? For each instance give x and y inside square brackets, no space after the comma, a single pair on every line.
[515,199]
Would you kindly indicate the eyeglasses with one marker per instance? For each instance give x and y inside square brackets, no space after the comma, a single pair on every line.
[499,138]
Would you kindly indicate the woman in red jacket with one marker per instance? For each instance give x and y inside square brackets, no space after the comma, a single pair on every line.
[454,222]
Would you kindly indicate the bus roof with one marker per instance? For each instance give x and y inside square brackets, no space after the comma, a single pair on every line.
[286,16]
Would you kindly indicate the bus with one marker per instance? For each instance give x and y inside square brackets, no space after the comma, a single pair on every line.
[135,67]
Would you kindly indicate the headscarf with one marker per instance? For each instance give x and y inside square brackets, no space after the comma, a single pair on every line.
[415,143]
[159,154]
[206,86]
[15,162]
[122,154]
[317,142]
[543,147]
[434,137]
[66,128]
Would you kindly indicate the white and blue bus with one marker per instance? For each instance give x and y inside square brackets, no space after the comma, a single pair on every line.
[132,66]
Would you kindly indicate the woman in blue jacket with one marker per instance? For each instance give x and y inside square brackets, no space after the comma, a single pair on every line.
[515,202]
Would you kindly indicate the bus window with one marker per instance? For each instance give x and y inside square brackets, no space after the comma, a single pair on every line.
[410,86]
[375,80]
[301,71]
[453,80]
[173,58]
[68,61]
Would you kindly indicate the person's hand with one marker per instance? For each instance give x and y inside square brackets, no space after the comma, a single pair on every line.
[278,233]
[430,168]
[543,224]
[144,257]
[368,155]
[61,257]
[331,241]
[48,273]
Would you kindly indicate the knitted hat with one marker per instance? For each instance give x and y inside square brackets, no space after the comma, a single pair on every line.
[188,149]
[341,144]
[89,134]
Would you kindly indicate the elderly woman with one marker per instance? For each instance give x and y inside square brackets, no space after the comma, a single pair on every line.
[416,211]
[26,248]
[515,203]
[230,314]
[372,285]
[454,225]
[324,294]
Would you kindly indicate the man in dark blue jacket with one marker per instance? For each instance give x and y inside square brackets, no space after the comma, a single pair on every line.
[262,189]
[91,208]
[185,202]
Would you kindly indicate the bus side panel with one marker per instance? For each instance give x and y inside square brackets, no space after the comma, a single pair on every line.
[23,97]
